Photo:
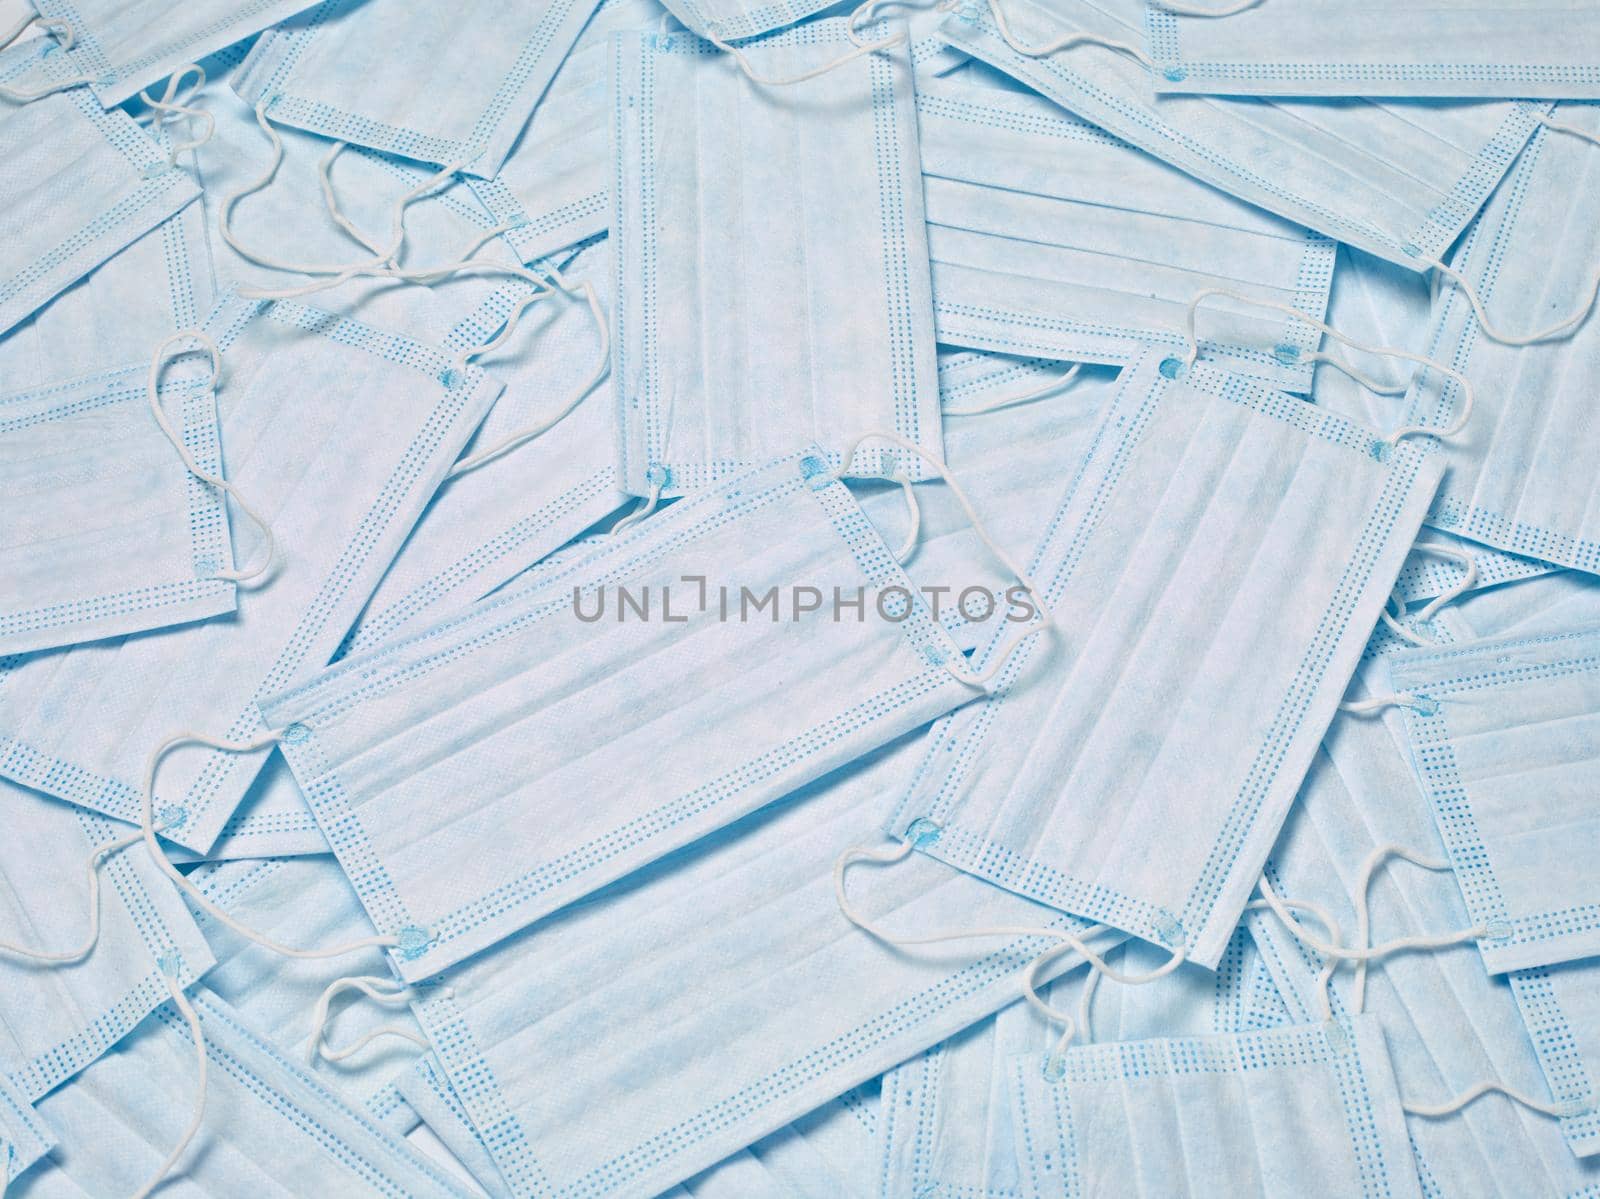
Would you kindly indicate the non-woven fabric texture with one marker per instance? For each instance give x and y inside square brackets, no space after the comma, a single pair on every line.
[1522,49]
[1395,180]
[338,520]
[772,262]
[449,85]
[1200,532]
[1049,237]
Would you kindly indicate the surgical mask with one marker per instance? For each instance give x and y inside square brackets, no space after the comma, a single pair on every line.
[1445,565]
[80,723]
[493,520]
[1524,49]
[24,1137]
[1451,1028]
[82,184]
[80,965]
[272,820]
[1504,737]
[607,667]
[554,187]
[1309,1108]
[1397,181]
[824,1155]
[1523,477]
[1218,521]
[106,531]
[452,86]
[1049,237]
[267,1125]
[751,316]
[120,48]
[1556,603]
[739,1040]
[343,1019]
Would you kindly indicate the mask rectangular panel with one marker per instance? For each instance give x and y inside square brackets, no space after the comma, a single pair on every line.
[1505,737]
[443,84]
[82,723]
[772,269]
[1310,1109]
[1524,474]
[1515,49]
[1136,772]
[629,704]
[80,184]
[1049,237]
[1400,181]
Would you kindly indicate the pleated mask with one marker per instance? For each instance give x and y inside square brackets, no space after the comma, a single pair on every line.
[1217,516]
[81,184]
[1505,737]
[80,965]
[539,471]
[1400,181]
[491,719]
[824,1155]
[1049,237]
[1308,1108]
[1525,50]
[1495,1078]
[266,1124]
[1522,478]
[452,87]
[336,530]
[554,187]
[753,316]
[757,1014]
[119,48]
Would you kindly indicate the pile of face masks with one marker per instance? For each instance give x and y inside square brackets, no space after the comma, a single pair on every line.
[982,600]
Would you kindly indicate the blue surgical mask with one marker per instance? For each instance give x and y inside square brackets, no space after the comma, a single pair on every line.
[452,87]
[531,692]
[739,1040]
[272,820]
[1450,1027]
[120,48]
[1505,737]
[1211,515]
[266,1125]
[82,183]
[492,521]
[752,317]
[410,408]
[56,1017]
[106,531]
[1050,237]
[1309,1109]
[1522,477]
[1526,49]
[1400,182]
[554,188]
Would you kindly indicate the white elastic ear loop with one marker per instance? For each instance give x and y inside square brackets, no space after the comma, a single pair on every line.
[1065,939]
[1064,42]
[96,855]
[1369,867]
[861,49]
[1451,1106]
[914,521]
[153,393]
[387,252]
[68,36]
[192,1018]
[179,880]
[1361,953]
[1400,630]
[166,107]
[385,991]
[639,513]
[1377,703]
[961,672]
[1553,332]
[1027,397]
[1330,927]
[330,200]
[1469,579]
[1193,352]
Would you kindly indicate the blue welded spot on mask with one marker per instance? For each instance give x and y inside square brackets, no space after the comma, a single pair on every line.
[922,831]
[412,940]
[1171,368]
[1379,451]
[1287,354]
[1498,930]
[1176,74]
[1055,1067]
[296,734]
[1425,705]
[1338,1039]
[450,377]
[657,475]
[172,816]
